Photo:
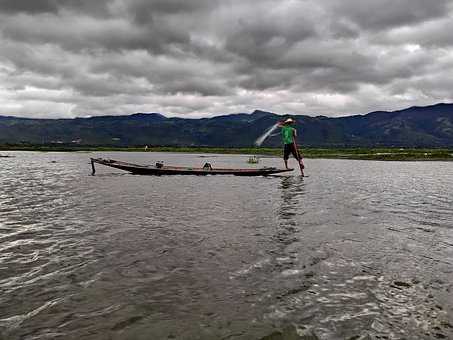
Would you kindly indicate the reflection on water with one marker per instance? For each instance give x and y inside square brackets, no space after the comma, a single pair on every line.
[292,189]
[359,250]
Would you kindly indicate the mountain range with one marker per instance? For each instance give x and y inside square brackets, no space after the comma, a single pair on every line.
[429,126]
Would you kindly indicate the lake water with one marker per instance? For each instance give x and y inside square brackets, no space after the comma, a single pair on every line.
[358,250]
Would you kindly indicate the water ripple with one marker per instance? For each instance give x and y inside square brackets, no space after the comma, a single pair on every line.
[359,250]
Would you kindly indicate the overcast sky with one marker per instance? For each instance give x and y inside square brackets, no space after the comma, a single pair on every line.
[195,58]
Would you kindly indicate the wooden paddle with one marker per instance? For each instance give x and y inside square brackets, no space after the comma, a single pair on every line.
[298,155]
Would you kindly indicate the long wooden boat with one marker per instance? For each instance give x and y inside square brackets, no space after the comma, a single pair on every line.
[160,169]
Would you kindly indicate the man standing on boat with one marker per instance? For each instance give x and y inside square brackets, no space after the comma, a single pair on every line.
[289,135]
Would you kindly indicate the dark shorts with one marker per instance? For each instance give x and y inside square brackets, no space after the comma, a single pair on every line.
[290,149]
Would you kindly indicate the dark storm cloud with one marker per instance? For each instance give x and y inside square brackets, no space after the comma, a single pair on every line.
[97,7]
[207,56]
[145,11]
[87,33]
[385,14]
[44,60]
[431,34]
[35,6]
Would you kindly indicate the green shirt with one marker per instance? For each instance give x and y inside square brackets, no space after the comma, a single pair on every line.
[287,134]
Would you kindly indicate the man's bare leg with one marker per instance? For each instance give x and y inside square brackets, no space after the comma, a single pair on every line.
[301,162]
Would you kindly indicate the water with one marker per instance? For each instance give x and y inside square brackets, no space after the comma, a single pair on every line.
[264,136]
[359,250]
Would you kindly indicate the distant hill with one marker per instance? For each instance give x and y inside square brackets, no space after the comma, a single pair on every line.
[430,126]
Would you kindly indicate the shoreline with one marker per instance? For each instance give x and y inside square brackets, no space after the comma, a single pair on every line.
[379,154]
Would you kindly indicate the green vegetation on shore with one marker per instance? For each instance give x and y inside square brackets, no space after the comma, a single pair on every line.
[391,154]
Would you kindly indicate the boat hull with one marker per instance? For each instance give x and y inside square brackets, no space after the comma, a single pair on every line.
[173,170]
